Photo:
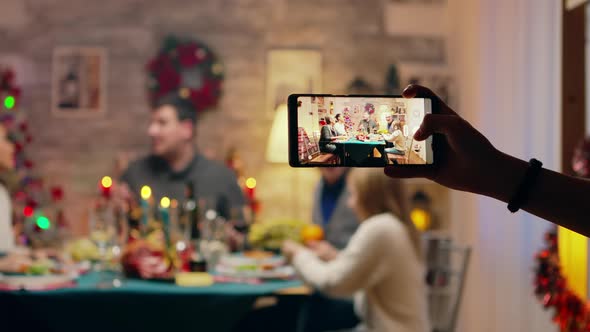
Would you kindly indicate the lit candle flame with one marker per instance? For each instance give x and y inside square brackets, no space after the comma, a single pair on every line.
[146,192]
[165,202]
[251,183]
[106,182]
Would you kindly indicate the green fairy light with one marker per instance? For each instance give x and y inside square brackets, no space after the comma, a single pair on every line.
[9,102]
[43,222]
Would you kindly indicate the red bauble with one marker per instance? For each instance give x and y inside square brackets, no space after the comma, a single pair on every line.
[28,164]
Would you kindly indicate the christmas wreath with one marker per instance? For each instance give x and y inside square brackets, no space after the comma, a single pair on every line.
[189,68]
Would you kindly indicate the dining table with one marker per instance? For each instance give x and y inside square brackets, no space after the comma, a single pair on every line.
[355,152]
[143,305]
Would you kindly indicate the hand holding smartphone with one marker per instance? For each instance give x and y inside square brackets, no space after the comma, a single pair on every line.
[357,131]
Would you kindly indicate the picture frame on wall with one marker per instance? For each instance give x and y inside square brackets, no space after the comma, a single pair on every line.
[291,71]
[78,87]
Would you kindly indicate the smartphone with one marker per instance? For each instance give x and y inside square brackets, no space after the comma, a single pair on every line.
[357,131]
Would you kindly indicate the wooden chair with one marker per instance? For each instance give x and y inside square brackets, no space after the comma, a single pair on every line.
[313,154]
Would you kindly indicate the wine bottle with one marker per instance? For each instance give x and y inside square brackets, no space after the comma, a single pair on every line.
[191,211]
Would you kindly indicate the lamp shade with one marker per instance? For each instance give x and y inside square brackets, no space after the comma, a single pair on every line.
[277,148]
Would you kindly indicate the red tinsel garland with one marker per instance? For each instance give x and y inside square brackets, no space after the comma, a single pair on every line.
[572,314]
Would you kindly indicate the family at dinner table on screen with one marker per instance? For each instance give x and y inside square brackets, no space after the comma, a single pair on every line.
[388,123]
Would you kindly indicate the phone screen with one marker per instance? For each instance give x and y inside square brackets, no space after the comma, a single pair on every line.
[357,131]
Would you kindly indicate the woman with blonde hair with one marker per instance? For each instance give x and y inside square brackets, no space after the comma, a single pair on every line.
[382,264]
[6,165]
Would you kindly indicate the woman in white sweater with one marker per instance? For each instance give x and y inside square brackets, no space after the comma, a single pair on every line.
[382,264]
[6,164]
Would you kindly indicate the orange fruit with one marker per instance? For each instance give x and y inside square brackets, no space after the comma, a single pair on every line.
[310,233]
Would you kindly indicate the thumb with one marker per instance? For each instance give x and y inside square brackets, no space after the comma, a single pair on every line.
[438,123]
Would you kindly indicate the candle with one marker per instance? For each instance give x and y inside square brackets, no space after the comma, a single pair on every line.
[105,185]
[165,215]
[146,194]
[250,187]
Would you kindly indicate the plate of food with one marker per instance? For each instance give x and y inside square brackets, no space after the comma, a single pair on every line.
[258,265]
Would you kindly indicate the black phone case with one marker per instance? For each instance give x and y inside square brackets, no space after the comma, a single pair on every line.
[292,103]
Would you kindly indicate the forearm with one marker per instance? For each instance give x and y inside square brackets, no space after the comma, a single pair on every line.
[555,197]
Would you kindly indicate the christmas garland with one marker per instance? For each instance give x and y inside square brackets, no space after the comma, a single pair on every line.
[188,68]
[572,314]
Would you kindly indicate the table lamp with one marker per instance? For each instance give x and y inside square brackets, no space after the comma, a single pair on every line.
[277,149]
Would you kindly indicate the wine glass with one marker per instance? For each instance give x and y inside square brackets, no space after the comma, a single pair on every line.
[105,233]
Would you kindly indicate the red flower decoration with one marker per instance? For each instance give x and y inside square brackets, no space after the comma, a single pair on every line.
[169,80]
[57,193]
[28,164]
[188,55]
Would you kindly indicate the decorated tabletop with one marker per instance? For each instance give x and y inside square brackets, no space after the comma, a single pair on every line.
[136,306]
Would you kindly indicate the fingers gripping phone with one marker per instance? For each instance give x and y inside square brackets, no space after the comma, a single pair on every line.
[357,131]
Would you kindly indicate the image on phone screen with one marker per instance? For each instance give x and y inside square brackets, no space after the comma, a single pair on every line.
[359,131]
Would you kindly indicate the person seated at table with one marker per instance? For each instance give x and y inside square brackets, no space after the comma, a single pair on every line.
[10,259]
[6,165]
[382,265]
[339,125]
[330,210]
[328,135]
[174,163]
[397,138]
[367,125]
[390,123]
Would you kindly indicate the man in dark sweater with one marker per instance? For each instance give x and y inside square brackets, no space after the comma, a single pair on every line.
[174,162]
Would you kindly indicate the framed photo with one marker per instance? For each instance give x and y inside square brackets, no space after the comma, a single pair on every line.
[292,71]
[78,81]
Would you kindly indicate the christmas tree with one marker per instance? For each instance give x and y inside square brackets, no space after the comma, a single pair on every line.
[38,216]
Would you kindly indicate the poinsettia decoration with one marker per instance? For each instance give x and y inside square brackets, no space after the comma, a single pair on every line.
[189,68]
[572,314]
